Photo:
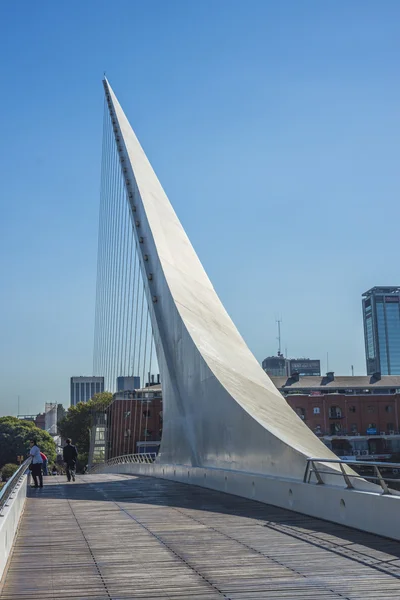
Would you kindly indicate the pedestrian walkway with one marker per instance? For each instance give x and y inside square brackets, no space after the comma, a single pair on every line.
[114,537]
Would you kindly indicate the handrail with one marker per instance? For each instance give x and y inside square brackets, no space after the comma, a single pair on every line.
[353,462]
[9,487]
[312,468]
[144,457]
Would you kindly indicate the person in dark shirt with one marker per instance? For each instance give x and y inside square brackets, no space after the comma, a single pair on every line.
[70,455]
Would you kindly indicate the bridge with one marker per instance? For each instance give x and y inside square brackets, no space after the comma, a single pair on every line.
[242,499]
[119,536]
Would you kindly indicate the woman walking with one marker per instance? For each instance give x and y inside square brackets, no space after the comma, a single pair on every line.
[37,462]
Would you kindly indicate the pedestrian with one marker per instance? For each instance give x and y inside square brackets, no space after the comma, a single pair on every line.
[44,459]
[70,454]
[54,471]
[37,463]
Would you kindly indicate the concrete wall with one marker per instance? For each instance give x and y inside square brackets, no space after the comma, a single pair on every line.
[9,520]
[364,510]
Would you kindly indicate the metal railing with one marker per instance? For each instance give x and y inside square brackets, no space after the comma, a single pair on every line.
[376,477]
[145,457]
[11,484]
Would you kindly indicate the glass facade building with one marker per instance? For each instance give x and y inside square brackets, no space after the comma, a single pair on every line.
[84,388]
[274,366]
[128,383]
[381,314]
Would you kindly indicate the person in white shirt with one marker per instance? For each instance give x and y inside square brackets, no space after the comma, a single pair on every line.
[37,462]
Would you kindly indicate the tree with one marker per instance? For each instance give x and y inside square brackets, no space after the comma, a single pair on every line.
[14,440]
[8,470]
[78,421]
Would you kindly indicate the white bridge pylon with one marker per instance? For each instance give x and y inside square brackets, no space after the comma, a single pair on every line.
[220,407]
[225,425]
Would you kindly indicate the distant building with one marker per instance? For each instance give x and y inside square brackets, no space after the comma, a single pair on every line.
[381,315]
[278,366]
[27,417]
[50,411]
[128,383]
[338,384]
[40,420]
[60,412]
[356,416]
[134,422]
[83,388]
[97,446]
[274,366]
[303,366]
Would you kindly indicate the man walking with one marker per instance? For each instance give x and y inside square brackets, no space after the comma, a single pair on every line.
[36,464]
[70,455]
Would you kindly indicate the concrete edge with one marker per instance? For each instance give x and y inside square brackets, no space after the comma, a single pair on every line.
[9,521]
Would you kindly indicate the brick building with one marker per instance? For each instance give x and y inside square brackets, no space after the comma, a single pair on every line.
[134,422]
[353,415]
[40,420]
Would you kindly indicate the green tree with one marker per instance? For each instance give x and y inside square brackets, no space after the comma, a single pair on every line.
[78,421]
[14,440]
[8,470]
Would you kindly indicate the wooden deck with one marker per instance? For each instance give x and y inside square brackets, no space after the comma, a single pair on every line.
[117,537]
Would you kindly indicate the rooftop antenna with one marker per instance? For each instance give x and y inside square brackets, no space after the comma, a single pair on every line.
[327,362]
[18,407]
[352,370]
[279,321]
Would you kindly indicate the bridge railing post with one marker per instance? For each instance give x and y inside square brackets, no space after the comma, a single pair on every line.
[349,478]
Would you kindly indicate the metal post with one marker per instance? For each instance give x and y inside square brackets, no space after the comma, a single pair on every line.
[349,485]
[381,481]
[317,475]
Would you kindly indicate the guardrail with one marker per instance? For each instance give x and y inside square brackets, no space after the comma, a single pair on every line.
[377,467]
[9,487]
[145,457]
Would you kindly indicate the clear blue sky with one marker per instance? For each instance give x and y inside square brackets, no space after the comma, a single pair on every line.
[274,128]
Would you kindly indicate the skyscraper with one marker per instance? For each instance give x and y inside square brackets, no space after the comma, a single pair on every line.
[381,313]
[83,388]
